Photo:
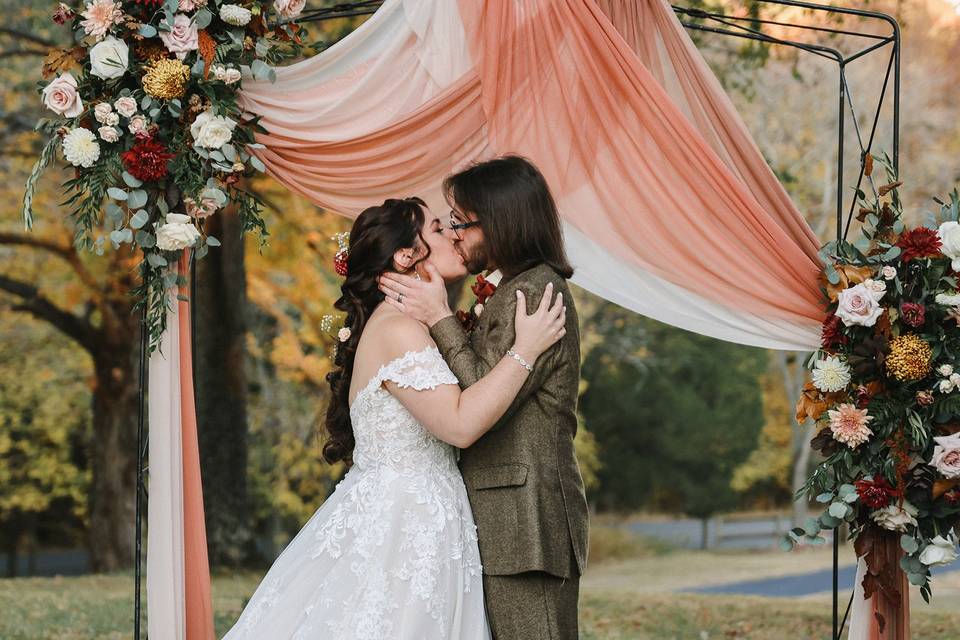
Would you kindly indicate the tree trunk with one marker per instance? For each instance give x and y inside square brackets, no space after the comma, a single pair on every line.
[113,453]
[220,325]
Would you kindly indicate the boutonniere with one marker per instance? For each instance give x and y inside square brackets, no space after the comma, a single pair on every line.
[483,289]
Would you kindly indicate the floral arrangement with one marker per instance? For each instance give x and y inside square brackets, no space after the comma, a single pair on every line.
[145,109]
[885,391]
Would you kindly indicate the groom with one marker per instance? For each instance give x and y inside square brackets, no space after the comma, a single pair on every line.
[522,477]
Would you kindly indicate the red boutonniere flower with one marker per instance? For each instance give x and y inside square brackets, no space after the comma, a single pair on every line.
[875,494]
[483,289]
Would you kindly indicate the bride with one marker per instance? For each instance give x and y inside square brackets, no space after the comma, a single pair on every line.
[392,553]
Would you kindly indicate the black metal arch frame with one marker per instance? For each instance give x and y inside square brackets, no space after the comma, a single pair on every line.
[717,22]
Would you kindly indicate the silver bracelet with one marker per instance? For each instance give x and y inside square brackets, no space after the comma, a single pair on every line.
[516,356]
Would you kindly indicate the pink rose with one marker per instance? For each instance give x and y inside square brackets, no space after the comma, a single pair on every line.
[888,272]
[858,305]
[108,134]
[126,106]
[60,96]
[206,208]
[182,39]
[289,8]
[190,5]
[946,456]
[138,125]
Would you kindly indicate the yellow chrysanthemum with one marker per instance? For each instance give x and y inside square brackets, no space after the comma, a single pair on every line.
[166,79]
[909,358]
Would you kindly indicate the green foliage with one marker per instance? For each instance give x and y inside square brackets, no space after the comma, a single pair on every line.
[674,414]
[44,421]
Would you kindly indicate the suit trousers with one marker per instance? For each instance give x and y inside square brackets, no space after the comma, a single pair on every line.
[532,606]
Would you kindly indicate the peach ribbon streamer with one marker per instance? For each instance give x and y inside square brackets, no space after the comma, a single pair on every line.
[863,620]
[668,205]
[178,575]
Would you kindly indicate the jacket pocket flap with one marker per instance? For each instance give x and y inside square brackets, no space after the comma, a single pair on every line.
[501,475]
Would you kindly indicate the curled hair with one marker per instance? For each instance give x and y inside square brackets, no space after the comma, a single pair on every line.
[377,234]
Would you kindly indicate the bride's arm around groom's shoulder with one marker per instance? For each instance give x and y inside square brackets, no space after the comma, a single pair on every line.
[471,359]
[461,417]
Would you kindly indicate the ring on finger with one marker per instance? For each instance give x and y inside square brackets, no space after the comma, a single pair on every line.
[400,298]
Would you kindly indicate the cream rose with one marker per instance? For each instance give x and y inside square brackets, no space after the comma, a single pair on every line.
[289,8]
[178,233]
[858,305]
[125,106]
[893,518]
[888,272]
[877,287]
[101,110]
[182,38]
[946,456]
[109,58]
[948,299]
[949,233]
[212,131]
[940,551]
[60,96]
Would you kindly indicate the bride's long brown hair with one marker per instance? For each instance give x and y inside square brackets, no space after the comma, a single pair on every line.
[377,234]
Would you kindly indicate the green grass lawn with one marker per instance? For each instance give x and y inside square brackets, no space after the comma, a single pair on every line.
[627,593]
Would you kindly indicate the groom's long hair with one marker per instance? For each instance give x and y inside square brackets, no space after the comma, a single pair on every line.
[517,212]
[377,234]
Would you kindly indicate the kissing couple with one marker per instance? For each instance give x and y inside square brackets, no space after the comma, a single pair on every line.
[463,514]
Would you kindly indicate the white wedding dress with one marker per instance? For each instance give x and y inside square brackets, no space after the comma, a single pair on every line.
[392,553]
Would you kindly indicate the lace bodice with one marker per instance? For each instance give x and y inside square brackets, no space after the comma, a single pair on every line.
[386,433]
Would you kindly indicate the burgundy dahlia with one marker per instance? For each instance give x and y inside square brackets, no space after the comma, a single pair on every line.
[913,313]
[831,334]
[919,243]
[875,494]
[147,160]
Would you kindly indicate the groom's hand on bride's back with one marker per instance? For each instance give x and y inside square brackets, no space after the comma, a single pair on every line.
[423,300]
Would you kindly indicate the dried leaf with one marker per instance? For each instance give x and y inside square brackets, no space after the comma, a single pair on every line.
[863,213]
[58,61]
[868,165]
[887,188]
[849,276]
[940,487]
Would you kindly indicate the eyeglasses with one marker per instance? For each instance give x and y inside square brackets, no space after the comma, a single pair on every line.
[456,226]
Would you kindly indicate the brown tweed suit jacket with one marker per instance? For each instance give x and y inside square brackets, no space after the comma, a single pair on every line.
[522,477]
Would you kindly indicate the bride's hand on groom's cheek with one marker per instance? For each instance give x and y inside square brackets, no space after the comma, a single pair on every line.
[423,300]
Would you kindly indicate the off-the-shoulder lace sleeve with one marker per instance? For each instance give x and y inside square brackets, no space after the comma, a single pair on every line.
[419,370]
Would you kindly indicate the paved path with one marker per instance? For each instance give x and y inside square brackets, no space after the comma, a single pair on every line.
[791,586]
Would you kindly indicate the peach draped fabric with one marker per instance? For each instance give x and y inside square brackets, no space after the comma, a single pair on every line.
[178,576]
[669,208]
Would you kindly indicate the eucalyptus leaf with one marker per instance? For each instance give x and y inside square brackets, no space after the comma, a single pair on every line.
[116,236]
[891,253]
[917,578]
[137,199]
[139,219]
[909,544]
[217,155]
[203,18]
[200,251]
[117,194]
[838,510]
[130,180]
[257,164]
[824,498]
[147,31]
[811,527]
[155,112]
[786,544]
[127,235]
[829,522]
[229,152]
[213,242]
[145,239]
[146,102]
[114,212]
[156,260]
